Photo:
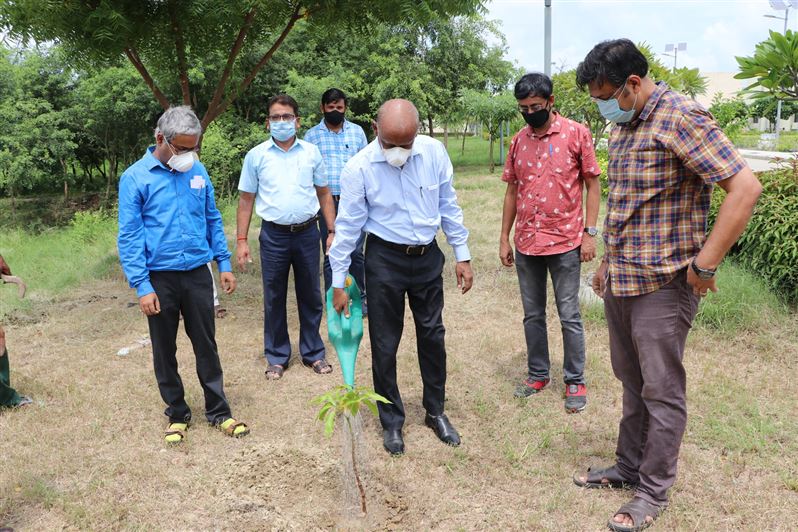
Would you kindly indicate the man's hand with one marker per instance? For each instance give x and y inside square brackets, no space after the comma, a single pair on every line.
[341,301]
[228,282]
[600,279]
[242,255]
[330,238]
[465,277]
[149,304]
[4,268]
[588,249]
[505,252]
[700,287]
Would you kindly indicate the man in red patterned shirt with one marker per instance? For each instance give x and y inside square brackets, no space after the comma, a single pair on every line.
[549,162]
[665,154]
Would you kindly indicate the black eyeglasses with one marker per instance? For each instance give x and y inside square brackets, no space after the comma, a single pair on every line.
[282,118]
[528,109]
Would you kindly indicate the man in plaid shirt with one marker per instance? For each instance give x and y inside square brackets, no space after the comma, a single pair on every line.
[338,140]
[665,154]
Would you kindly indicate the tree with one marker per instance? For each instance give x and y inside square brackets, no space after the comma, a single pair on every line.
[114,114]
[490,111]
[577,105]
[207,52]
[689,81]
[774,67]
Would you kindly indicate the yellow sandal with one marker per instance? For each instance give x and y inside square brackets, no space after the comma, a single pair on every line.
[233,428]
[175,433]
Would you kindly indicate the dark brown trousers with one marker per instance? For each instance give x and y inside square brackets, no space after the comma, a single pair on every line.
[647,338]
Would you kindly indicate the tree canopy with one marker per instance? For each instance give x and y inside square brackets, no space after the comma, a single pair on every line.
[202,53]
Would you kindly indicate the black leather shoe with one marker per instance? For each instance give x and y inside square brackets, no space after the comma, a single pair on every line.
[443,429]
[393,442]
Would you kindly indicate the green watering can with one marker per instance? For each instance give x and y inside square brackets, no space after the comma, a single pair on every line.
[345,333]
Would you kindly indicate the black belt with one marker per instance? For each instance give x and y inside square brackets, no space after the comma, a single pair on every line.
[295,228]
[404,248]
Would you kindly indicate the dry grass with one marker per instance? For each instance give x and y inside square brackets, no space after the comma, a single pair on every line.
[89,455]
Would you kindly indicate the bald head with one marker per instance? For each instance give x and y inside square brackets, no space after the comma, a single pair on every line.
[397,123]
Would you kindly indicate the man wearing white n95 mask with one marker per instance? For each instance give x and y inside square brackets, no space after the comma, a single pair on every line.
[399,190]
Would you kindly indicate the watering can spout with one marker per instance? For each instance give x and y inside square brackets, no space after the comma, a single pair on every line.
[345,333]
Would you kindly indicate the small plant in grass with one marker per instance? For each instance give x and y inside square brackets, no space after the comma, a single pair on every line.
[347,401]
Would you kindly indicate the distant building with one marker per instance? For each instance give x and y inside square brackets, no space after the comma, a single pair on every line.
[721,82]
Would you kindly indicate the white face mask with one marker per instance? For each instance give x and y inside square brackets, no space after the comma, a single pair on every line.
[183,162]
[396,156]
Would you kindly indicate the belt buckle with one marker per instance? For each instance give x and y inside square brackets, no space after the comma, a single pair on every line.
[408,250]
[294,228]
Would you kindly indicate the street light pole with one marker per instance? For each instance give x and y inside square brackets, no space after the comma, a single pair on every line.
[547,39]
[778,102]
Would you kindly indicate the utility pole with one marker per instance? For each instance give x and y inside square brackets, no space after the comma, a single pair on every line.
[547,39]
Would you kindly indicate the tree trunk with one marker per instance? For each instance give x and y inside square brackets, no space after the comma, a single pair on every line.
[66,190]
[492,162]
[429,120]
[465,130]
[446,135]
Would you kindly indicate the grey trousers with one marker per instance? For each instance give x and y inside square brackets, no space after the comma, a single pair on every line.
[564,269]
[647,338]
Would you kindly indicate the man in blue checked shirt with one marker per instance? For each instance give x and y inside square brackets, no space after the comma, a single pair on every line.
[339,140]
[399,190]
[285,180]
[169,229]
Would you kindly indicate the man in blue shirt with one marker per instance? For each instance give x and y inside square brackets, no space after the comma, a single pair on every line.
[338,140]
[284,178]
[399,190]
[169,229]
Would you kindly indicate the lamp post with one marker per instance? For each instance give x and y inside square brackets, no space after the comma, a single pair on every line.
[547,38]
[781,5]
[675,48]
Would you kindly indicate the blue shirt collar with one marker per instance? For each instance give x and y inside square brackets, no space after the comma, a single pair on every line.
[152,161]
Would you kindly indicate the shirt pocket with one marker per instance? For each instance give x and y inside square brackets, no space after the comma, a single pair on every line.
[430,196]
[195,207]
[304,178]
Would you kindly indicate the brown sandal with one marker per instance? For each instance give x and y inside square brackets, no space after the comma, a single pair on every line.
[640,511]
[609,477]
[321,366]
[274,372]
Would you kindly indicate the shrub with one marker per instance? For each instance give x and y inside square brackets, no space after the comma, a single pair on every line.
[88,227]
[769,247]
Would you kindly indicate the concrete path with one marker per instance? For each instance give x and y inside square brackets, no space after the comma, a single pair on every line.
[761,161]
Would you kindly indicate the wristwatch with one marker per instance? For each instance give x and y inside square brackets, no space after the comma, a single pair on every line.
[592,231]
[704,275]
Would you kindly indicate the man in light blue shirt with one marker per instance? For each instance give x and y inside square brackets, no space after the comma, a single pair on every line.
[169,229]
[338,140]
[399,190]
[285,179]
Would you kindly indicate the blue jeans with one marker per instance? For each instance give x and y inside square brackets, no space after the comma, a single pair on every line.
[279,252]
[565,270]
[356,268]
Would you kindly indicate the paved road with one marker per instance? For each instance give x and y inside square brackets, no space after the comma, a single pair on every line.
[760,161]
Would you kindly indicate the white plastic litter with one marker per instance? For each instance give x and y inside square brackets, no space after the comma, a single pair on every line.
[144,341]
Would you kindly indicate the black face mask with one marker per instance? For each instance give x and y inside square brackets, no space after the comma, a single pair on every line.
[536,119]
[334,118]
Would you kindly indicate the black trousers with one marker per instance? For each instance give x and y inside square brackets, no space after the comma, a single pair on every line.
[191,293]
[390,275]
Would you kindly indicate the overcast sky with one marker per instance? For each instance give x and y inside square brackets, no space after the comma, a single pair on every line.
[715,30]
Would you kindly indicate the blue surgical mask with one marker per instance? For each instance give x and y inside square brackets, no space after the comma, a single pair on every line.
[282,131]
[611,109]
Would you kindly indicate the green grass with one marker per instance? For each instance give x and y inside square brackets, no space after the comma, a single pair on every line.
[742,302]
[476,153]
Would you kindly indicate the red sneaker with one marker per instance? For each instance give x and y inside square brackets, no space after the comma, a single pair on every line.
[575,398]
[530,387]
